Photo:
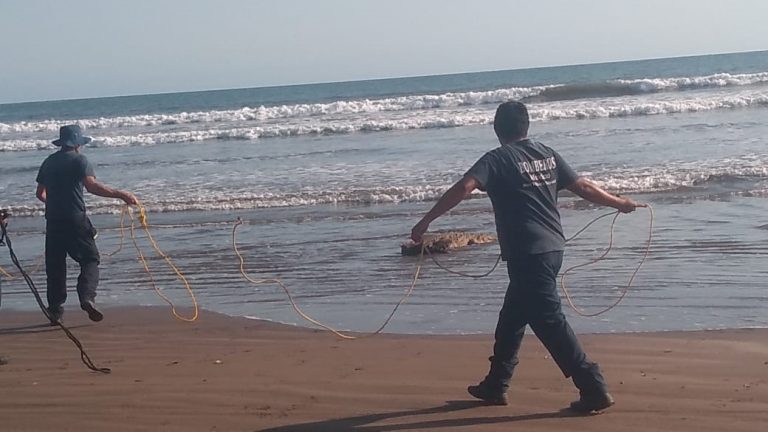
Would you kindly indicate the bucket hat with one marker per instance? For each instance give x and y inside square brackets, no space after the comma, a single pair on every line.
[71,136]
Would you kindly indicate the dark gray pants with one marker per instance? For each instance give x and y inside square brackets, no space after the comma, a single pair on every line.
[532,299]
[73,237]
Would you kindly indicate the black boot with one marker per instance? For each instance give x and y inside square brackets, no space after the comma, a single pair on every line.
[492,395]
[593,391]
[591,402]
[56,313]
[93,313]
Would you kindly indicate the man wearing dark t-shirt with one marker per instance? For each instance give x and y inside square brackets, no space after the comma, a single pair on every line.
[60,184]
[522,178]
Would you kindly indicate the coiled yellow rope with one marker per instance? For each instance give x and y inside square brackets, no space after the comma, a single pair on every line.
[566,292]
[144,223]
[624,291]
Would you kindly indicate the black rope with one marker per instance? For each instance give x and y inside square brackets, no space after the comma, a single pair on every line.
[3,216]
[83,355]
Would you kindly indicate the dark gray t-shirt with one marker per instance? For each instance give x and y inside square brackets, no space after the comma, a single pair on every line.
[62,174]
[522,179]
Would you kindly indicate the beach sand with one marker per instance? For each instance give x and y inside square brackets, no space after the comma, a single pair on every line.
[233,374]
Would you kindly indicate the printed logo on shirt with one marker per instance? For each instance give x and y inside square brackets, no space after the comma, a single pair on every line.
[540,172]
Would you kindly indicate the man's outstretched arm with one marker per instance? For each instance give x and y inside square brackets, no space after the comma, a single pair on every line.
[449,200]
[588,190]
[96,188]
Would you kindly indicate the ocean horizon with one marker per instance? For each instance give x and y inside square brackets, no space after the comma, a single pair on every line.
[287,86]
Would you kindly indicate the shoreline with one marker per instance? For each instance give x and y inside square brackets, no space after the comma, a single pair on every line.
[305,325]
[226,373]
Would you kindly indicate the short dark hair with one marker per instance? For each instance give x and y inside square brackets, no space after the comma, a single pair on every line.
[511,120]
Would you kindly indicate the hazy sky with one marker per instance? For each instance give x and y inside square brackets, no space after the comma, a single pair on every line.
[59,49]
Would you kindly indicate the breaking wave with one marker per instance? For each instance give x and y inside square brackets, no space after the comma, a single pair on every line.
[341,108]
[714,175]
[423,119]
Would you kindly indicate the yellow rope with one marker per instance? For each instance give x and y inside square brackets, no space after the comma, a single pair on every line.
[143,221]
[123,211]
[420,264]
[600,258]
[594,261]
[6,274]
[274,281]
[35,268]
[142,216]
[458,273]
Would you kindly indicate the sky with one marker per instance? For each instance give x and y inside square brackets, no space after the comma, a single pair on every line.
[52,49]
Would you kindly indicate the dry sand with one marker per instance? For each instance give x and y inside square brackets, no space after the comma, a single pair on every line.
[233,374]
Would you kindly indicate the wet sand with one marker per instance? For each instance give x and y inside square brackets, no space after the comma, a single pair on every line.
[233,374]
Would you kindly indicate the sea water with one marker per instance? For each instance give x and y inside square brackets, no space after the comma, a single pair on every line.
[329,179]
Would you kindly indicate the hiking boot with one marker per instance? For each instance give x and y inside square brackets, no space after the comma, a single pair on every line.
[56,314]
[90,307]
[588,403]
[492,397]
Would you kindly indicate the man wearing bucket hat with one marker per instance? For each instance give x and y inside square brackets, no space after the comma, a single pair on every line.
[60,184]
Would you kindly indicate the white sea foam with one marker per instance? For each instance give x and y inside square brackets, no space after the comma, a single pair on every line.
[237,201]
[709,81]
[394,104]
[424,119]
[365,106]
[624,108]
[674,176]
[271,131]
[668,178]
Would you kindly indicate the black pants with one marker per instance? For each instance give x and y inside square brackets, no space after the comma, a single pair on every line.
[532,299]
[73,237]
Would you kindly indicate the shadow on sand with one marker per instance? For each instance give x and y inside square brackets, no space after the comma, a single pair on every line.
[35,328]
[364,423]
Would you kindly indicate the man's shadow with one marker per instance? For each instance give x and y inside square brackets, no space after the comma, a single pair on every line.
[364,423]
[35,328]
